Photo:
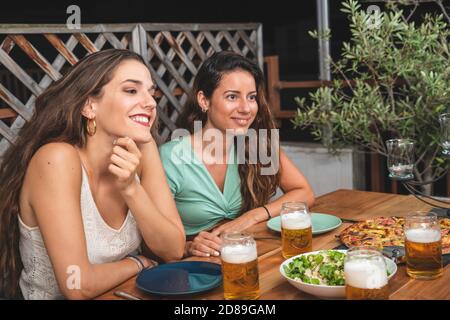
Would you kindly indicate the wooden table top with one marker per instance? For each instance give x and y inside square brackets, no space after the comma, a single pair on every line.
[350,204]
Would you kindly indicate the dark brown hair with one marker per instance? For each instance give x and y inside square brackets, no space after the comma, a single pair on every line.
[256,189]
[57,118]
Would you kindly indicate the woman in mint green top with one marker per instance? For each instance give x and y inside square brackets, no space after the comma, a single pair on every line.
[213,191]
[199,201]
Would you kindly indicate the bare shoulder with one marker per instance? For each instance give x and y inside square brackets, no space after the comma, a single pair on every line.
[56,159]
[53,174]
[56,151]
[56,154]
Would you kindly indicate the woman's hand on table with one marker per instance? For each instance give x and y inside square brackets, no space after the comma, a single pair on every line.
[243,222]
[205,244]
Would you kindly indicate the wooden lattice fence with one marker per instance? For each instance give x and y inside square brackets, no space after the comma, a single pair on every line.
[33,56]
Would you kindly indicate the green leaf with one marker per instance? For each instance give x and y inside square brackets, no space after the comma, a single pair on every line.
[400,75]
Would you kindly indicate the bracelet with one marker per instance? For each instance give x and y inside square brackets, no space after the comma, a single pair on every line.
[137,260]
[268,213]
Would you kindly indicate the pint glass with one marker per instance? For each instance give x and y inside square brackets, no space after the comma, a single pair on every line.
[296,229]
[239,266]
[365,274]
[423,246]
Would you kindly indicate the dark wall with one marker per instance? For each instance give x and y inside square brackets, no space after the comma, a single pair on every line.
[285,28]
[285,23]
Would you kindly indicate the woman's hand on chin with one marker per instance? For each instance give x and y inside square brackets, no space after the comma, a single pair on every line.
[125,160]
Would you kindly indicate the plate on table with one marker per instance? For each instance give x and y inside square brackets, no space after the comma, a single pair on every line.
[324,291]
[180,278]
[321,223]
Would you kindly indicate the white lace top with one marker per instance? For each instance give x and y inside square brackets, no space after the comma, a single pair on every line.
[104,244]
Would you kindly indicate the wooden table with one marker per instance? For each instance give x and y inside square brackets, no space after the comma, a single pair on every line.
[350,204]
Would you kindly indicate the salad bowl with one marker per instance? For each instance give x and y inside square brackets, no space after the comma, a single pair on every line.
[335,290]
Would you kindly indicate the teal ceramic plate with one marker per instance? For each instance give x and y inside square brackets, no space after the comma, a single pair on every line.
[180,278]
[321,223]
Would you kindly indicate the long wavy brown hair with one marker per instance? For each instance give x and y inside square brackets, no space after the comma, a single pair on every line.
[57,118]
[256,188]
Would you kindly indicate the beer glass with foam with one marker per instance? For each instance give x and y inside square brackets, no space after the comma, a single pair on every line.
[423,246]
[296,229]
[239,266]
[365,274]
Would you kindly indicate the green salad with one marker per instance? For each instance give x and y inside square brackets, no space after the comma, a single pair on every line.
[325,267]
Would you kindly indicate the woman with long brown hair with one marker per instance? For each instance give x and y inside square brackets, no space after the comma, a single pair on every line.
[213,177]
[83,185]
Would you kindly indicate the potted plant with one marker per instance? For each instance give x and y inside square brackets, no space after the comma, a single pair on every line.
[392,80]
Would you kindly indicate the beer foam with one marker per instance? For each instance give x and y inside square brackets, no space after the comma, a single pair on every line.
[239,253]
[423,235]
[365,274]
[296,220]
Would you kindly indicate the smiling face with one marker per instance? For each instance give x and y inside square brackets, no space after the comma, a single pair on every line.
[125,107]
[233,104]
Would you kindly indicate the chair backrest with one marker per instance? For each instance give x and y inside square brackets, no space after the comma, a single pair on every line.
[33,56]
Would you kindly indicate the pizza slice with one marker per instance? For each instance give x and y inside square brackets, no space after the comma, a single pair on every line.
[386,231]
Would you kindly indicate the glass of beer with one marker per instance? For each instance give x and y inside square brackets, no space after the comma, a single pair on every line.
[296,229]
[239,266]
[423,246]
[365,274]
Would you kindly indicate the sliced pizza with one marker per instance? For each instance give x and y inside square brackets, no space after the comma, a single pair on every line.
[386,231]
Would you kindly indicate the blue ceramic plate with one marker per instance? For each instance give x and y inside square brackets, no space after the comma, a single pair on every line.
[321,223]
[179,278]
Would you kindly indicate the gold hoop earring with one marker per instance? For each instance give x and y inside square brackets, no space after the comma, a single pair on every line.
[91,129]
